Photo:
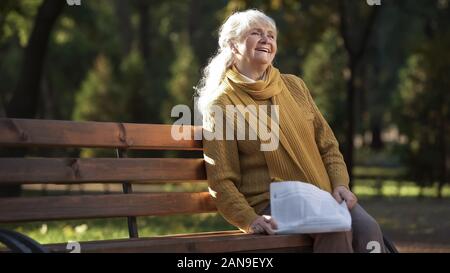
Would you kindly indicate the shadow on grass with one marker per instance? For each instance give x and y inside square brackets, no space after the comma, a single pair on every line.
[412,220]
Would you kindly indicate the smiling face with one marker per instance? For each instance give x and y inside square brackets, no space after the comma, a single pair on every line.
[257,48]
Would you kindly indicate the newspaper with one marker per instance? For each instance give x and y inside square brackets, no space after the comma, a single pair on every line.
[300,207]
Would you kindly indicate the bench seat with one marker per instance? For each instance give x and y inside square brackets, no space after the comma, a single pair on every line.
[205,242]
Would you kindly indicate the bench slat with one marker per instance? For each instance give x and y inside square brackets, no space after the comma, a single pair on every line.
[58,133]
[206,242]
[67,170]
[103,206]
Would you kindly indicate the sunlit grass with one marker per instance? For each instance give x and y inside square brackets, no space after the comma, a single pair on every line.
[374,171]
[394,188]
[103,229]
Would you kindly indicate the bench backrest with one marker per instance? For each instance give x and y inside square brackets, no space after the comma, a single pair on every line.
[123,170]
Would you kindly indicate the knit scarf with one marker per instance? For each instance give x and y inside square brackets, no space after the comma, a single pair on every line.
[295,132]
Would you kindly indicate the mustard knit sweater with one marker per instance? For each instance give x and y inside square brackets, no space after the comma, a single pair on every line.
[237,171]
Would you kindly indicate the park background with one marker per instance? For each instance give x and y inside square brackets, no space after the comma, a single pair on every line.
[379,74]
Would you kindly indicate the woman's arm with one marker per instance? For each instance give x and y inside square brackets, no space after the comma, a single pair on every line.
[328,145]
[224,178]
[331,156]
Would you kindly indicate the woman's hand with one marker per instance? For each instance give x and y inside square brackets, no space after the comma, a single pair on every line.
[263,224]
[342,193]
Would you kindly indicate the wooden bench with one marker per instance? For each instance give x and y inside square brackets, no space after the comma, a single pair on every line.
[122,137]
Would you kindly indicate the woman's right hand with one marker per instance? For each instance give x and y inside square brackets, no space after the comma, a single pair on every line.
[264,224]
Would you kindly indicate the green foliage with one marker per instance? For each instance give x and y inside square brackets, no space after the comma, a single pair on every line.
[422,108]
[99,98]
[324,68]
[391,155]
[134,82]
[184,72]
[15,19]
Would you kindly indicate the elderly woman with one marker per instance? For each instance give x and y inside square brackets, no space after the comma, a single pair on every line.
[239,171]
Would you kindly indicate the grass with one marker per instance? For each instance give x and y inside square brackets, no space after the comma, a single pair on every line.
[390,188]
[116,228]
[374,171]
[414,224]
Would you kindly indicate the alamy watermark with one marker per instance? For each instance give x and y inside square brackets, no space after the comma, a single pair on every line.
[252,123]
[73,246]
[373,2]
[374,246]
[73,2]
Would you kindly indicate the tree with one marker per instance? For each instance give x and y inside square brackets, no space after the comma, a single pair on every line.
[356,46]
[23,103]
[423,111]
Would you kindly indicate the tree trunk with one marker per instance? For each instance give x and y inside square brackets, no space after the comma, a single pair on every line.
[377,142]
[144,34]
[348,154]
[125,29]
[2,106]
[355,54]
[193,21]
[443,152]
[24,101]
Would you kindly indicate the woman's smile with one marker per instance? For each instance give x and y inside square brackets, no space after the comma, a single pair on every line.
[256,51]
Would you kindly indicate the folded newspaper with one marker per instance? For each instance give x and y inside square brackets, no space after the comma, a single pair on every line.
[300,207]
